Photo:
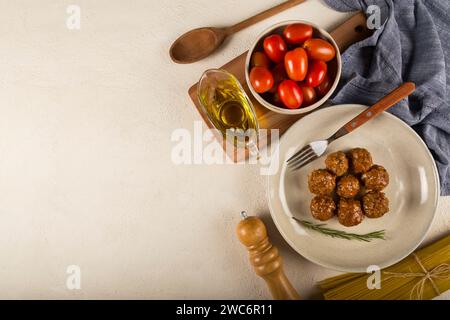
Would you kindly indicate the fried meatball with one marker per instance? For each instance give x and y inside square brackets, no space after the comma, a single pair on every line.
[361,160]
[376,179]
[375,204]
[348,186]
[337,163]
[321,182]
[349,212]
[322,207]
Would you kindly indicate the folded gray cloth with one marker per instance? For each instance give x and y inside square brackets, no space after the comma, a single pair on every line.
[413,44]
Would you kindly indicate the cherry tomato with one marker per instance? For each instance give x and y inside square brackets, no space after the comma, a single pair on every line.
[296,64]
[279,74]
[275,47]
[297,33]
[319,49]
[316,73]
[276,100]
[324,86]
[309,95]
[290,93]
[261,79]
[259,59]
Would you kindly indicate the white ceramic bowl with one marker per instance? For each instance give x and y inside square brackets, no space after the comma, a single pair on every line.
[334,65]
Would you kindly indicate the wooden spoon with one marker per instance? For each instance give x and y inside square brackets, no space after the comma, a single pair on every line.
[200,43]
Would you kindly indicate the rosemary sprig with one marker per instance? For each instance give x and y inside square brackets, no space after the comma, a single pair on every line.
[341,234]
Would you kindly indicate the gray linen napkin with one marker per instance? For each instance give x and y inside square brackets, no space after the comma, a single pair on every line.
[412,44]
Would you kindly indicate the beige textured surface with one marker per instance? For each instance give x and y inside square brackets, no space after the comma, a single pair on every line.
[85,170]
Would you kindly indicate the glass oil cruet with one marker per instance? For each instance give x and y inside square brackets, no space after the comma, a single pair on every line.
[229,109]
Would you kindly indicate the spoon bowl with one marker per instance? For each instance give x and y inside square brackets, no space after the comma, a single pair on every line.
[197,44]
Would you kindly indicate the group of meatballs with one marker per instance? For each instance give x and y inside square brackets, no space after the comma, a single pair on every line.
[355,182]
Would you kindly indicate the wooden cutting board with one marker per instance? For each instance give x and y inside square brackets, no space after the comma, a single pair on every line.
[351,31]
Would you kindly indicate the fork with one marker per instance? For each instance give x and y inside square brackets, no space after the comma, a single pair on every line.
[316,149]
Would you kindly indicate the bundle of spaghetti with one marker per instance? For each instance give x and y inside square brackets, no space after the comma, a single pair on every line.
[424,274]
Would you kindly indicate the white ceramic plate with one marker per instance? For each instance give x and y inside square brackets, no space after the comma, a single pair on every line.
[413,191]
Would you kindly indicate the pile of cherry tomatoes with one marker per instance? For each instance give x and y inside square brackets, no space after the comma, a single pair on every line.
[292,70]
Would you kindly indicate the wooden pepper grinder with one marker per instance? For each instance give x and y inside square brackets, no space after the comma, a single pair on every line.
[264,257]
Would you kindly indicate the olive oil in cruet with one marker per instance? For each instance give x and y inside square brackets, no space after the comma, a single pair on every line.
[228,107]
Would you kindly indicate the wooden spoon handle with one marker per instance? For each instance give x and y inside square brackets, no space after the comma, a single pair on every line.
[263,15]
[383,104]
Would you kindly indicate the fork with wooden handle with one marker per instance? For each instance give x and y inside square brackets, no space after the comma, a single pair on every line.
[317,148]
